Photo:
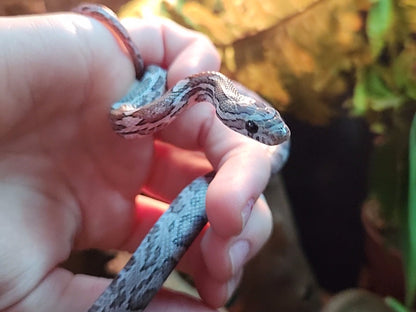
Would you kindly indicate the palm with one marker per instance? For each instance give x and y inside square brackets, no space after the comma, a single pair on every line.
[72,174]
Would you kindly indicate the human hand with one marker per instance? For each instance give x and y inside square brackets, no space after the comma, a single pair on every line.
[68,182]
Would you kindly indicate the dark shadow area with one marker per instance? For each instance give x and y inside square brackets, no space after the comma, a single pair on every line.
[326,181]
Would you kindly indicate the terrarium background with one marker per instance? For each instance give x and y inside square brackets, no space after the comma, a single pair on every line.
[340,83]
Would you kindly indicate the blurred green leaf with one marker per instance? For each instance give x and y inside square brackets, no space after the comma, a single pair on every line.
[376,86]
[359,98]
[388,178]
[395,305]
[410,222]
[379,22]
[403,71]
[372,92]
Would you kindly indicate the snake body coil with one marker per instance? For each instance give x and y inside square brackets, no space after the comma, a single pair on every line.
[148,108]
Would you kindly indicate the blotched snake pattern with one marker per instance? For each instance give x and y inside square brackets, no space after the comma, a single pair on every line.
[146,109]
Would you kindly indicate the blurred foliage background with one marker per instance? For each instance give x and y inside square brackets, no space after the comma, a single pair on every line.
[318,61]
[312,58]
[298,54]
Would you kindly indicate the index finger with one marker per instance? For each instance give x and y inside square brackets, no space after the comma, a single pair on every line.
[182,51]
[243,165]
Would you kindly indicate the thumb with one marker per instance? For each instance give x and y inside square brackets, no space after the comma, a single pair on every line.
[57,58]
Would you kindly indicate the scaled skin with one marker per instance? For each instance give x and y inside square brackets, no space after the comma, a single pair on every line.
[68,182]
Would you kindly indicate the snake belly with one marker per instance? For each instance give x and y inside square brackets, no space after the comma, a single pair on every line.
[158,254]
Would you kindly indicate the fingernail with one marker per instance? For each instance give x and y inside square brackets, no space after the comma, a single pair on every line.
[238,253]
[246,212]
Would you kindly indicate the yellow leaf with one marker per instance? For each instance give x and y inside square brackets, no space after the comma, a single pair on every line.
[141,8]
[209,23]
[299,54]
[263,79]
[297,59]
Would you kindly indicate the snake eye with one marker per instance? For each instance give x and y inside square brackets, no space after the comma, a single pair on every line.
[251,126]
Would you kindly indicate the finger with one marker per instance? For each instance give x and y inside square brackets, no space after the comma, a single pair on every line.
[148,210]
[228,207]
[49,43]
[61,287]
[170,301]
[232,254]
[243,166]
[173,167]
[89,45]
[217,293]
[174,164]
[217,270]
[182,51]
[217,263]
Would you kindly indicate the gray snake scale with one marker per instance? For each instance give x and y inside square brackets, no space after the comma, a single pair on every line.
[151,263]
[146,109]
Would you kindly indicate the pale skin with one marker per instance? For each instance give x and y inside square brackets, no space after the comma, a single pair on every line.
[68,182]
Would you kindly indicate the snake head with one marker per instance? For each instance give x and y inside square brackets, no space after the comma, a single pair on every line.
[252,116]
[269,129]
[264,125]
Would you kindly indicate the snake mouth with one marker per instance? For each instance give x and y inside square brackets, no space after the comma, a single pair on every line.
[287,134]
[278,136]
